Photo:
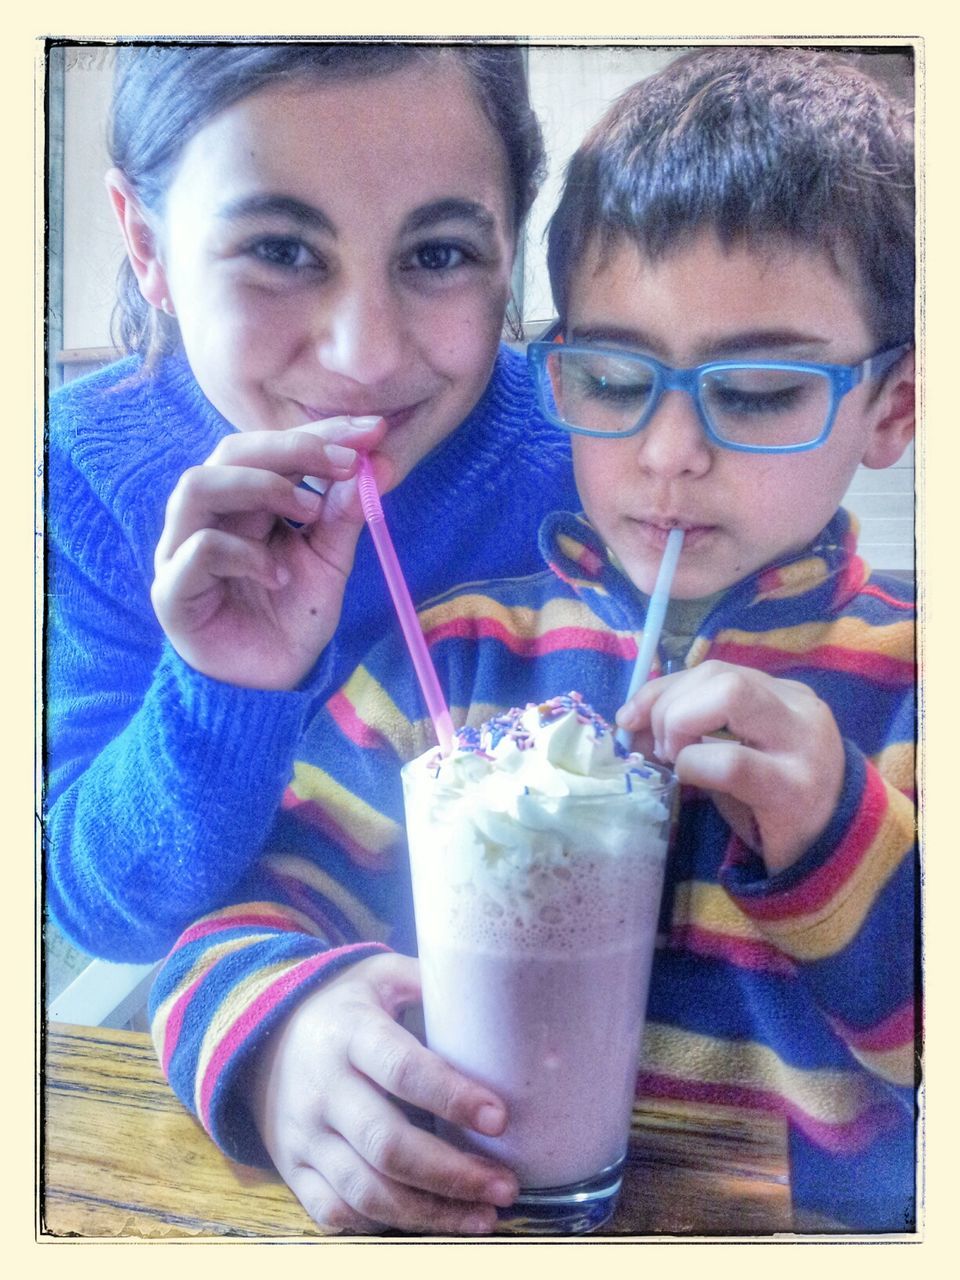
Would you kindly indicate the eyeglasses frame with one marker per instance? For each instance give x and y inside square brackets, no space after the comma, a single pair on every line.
[842,378]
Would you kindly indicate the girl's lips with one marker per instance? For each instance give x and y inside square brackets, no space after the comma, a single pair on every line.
[394,417]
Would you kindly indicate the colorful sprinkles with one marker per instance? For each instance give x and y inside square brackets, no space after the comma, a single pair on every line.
[510,724]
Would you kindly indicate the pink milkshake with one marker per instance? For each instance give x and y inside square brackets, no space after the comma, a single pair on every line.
[537,851]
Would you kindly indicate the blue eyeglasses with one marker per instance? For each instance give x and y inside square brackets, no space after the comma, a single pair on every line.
[756,406]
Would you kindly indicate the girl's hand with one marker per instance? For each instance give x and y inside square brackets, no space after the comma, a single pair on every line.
[777,770]
[242,596]
[326,1090]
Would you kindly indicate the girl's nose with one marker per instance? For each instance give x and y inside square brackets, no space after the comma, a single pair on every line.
[359,334]
[673,442]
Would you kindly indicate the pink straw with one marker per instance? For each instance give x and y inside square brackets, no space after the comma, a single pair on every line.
[400,594]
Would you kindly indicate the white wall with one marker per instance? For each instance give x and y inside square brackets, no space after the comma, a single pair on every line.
[91,243]
[570,87]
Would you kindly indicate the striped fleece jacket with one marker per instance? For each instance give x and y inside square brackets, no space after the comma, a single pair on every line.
[792,994]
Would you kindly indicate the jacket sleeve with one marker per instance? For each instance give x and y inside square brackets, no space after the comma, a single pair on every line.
[302,915]
[161,783]
[236,973]
[846,915]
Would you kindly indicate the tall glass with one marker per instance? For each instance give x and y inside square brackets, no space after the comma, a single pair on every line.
[535,962]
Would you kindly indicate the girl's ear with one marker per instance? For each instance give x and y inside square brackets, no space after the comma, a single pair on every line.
[895,416]
[139,239]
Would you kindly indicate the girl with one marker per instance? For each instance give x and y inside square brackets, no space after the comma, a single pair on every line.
[319,245]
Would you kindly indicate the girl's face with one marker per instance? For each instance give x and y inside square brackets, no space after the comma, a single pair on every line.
[343,249]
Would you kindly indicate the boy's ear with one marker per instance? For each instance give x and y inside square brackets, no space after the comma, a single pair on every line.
[894,416]
[139,238]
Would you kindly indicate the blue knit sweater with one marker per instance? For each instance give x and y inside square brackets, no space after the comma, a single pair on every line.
[162,783]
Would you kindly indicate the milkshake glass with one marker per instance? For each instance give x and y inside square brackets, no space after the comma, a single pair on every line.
[537,852]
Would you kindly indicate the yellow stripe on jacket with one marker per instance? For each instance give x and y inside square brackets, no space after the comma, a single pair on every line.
[827,930]
[895,640]
[367,832]
[829,1097]
[368,926]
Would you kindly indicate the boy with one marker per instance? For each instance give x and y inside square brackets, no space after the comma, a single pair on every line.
[718,220]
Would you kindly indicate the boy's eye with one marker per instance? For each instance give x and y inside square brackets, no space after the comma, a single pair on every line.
[618,391]
[757,397]
[608,382]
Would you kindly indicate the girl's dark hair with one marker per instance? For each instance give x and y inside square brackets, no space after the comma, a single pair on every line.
[758,144]
[164,93]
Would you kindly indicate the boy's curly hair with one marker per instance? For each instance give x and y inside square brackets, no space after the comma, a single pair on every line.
[761,145]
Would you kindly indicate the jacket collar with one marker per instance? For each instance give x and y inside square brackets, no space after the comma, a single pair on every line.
[814,582]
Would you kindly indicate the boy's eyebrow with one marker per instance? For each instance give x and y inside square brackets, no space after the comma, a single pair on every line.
[450,209]
[728,344]
[770,339]
[277,206]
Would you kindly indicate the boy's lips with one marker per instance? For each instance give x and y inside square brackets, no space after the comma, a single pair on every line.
[656,529]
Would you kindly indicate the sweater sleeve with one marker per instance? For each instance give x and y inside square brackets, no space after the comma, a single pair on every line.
[846,915]
[161,783]
[236,973]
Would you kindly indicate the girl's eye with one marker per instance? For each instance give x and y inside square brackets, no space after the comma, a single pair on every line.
[439,257]
[284,252]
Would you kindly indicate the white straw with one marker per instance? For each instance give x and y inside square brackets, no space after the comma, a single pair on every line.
[656,612]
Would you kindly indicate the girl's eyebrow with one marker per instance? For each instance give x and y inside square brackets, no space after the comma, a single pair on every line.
[450,209]
[299,212]
[277,206]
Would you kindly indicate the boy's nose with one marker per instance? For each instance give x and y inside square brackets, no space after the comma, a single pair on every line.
[673,442]
[359,334]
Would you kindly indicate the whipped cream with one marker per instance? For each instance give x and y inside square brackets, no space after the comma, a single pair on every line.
[532,797]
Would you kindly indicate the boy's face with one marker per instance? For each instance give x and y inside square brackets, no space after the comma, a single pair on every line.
[739,510]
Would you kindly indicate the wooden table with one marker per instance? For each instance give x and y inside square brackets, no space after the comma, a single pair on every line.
[122,1158]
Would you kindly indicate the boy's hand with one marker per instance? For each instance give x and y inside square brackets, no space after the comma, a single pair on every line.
[776,773]
[324,1100]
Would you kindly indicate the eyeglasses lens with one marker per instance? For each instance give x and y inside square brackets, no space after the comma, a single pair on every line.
[770,408]
[599,392]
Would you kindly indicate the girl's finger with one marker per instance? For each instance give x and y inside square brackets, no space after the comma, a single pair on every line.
[311,449]
[212,556]
[208,495]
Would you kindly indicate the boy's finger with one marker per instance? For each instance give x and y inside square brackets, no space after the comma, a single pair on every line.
[739,704]
[642,741]
[394,1059]
[383,1200]
[376,1128]
[635,712]
[731,769]
[327,1209]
